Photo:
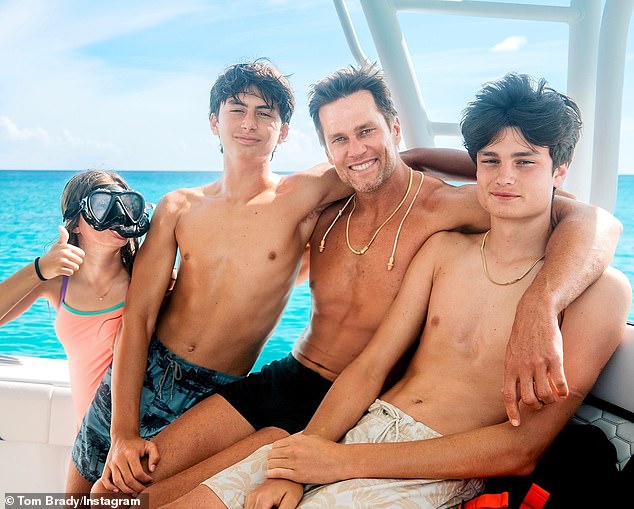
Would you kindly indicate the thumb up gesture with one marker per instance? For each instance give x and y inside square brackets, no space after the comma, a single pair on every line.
[62,259]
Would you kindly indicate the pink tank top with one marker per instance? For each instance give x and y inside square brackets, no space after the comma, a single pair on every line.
[87,337]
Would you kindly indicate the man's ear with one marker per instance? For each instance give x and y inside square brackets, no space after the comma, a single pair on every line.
[283,133]
[213,123]
[396,131]
[559,175]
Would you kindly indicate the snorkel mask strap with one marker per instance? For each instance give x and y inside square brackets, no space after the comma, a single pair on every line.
[72,210]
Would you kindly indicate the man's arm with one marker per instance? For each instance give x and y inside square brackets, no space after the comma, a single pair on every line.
[592,329]
[444,163]
[579,250]
[151,278]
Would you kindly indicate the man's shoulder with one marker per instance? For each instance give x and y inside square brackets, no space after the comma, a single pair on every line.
[438,194]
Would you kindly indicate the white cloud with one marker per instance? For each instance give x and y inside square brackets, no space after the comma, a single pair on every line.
[76,142]
[513,43]
[15,133]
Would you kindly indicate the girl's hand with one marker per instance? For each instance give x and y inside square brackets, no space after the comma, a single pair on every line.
[63,259]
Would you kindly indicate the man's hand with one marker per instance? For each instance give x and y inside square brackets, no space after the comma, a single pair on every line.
[305,459]
[123,471]
[533,371]
[62,259]
[280,493]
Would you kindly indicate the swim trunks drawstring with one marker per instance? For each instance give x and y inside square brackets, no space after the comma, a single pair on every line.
[177,374]
[390,411]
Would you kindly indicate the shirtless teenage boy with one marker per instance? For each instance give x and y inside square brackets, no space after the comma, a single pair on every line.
[351,292]
[445,418]
[240,241]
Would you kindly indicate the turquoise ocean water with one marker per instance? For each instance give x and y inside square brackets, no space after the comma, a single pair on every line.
[29,216]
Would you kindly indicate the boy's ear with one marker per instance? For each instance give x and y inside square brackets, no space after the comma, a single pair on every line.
[213,123]
[283,133]
[559,175]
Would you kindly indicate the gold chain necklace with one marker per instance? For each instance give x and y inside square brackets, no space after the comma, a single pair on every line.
[390,263]
[100,298]
[486,270]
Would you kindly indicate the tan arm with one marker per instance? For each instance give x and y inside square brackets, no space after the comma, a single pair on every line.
[18,293]
[444,163]
[20,290]
[150,280]
[325,185]
[579,250]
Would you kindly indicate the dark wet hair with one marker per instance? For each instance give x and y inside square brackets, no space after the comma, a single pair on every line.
[345,82]
[79,186]
[260,74]
[545,117]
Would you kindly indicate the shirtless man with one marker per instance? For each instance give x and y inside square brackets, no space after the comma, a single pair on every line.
[359,255]
[445,418]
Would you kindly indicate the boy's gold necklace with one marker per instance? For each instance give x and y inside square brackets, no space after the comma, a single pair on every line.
[486,269]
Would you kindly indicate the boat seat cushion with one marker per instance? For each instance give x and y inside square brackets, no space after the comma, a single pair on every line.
[37,413]
[620,431]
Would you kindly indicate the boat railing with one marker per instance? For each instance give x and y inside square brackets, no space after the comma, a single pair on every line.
[595,74]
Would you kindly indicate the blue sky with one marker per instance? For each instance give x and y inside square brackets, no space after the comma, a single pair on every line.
[124,84]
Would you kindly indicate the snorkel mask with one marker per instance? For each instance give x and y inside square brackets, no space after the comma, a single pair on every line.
[112,208]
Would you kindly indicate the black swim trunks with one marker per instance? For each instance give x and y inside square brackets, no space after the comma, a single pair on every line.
[284,394]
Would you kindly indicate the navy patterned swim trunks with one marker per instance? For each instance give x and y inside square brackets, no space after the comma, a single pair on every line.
[171,387]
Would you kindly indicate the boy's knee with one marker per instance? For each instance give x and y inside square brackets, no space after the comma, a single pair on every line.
[98,488]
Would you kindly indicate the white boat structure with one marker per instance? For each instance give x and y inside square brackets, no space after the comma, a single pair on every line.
[36,416]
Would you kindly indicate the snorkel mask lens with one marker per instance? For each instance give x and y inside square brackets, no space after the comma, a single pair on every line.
[106,206]
[112,208]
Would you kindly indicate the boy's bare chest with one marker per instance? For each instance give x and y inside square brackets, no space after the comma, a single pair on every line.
[475,314]
[239,235]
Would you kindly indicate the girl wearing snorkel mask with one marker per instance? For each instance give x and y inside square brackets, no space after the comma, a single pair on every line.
[84,275]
